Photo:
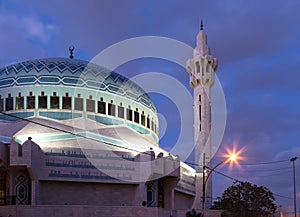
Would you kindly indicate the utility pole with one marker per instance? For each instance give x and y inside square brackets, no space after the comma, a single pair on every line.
[232,158]
[294,175]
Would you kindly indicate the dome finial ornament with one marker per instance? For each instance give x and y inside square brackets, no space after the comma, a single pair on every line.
[201,25]
[71,49]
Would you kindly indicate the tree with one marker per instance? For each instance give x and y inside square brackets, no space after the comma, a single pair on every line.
[193,213]
[247,200]
[217,204]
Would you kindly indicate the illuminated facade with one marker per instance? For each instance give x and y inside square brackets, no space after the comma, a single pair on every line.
[74,133]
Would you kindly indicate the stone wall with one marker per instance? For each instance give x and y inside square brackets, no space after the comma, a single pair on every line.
[94,211]
[81,211]
[100,194]
[182,201]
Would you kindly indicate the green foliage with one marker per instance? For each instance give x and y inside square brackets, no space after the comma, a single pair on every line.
[247,200]
[193,213]
[217,204]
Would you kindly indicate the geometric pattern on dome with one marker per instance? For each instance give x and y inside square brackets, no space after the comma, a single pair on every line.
[71,72]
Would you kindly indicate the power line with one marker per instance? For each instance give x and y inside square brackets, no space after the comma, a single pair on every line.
[268,175]
[82,136]
[118,146]
[236,180]
[85,137]
[227,176]
[269,170]
[68,132]
[278,195]
[251,164]
[79,135]
[263,163]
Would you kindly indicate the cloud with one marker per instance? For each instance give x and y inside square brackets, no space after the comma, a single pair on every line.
[289,153]
[28,33]
[14,42]
[36,29]
[252,29]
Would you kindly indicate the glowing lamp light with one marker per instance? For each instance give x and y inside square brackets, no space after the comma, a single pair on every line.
[233,157]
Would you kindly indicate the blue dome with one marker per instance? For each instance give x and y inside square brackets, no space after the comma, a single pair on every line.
[63,89]
[72,72]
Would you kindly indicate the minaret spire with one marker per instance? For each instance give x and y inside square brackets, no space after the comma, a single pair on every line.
[201,47]
[201,25]
[201,69]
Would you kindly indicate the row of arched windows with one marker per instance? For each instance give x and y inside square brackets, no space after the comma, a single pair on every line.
[100,106]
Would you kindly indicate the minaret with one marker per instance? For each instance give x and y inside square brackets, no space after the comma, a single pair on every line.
[202,68]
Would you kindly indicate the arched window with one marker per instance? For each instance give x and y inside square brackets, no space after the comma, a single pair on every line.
[90,104]
[19,102]
[121,111]
[101,106]
[143,119]
[42,101]
[67,102]
[78,103]
[129,113]
[54,101]
[30,101]
[9,103]
[111,109]
[136,116]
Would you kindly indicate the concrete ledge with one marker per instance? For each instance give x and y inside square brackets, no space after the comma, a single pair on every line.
[94,211]
[82,211]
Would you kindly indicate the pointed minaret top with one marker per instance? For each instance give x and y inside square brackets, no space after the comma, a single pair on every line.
[201,25]
[202,47]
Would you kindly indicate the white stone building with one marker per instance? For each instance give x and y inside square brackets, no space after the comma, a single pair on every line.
[73,133]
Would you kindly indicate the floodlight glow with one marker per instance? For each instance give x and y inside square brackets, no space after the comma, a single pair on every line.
[233,157]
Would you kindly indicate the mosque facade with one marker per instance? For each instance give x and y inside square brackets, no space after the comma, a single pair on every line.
[75,133]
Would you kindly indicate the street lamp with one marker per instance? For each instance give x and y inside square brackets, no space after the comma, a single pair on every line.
[295,199]
[231,158]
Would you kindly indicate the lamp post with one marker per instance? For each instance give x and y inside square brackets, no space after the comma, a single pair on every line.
[232,157]
[294,175]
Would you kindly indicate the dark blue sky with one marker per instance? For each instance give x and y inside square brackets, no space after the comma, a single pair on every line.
[256,42]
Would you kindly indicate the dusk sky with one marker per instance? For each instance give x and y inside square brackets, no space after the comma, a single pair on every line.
[258,49]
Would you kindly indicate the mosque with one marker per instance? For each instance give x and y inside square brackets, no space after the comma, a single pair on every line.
[73,133]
